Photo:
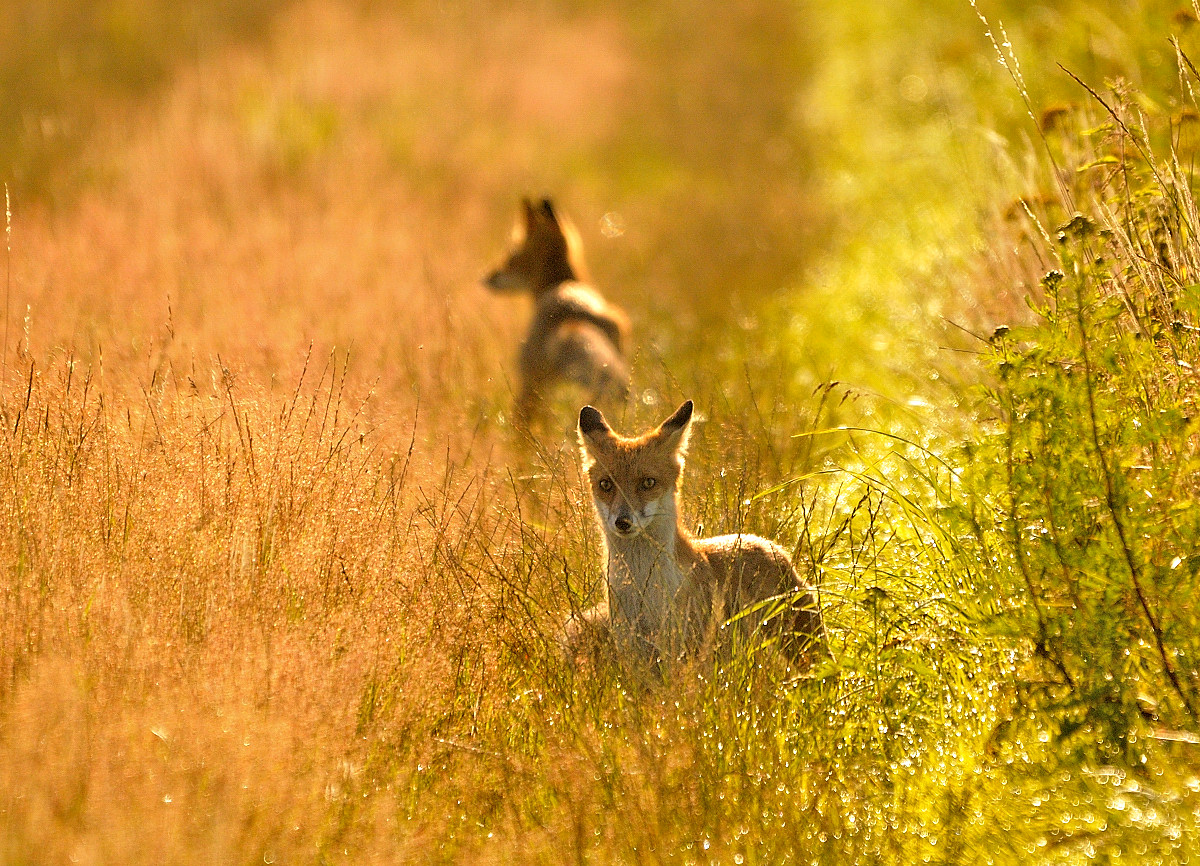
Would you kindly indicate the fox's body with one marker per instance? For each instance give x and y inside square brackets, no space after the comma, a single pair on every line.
[668,592]
[576,335]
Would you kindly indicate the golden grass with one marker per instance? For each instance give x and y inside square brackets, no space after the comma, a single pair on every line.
[282,584]
[275,564]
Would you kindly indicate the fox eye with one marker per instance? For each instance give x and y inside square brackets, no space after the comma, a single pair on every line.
[648,483]
[606,485]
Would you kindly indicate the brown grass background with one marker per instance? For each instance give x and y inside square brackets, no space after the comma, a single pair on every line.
[276,566]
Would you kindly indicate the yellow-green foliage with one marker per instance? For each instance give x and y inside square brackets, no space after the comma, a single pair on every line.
[282,584]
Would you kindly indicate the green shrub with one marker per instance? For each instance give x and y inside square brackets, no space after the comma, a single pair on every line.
[1085,489]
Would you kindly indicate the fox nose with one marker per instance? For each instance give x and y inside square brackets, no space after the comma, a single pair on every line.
[623,524]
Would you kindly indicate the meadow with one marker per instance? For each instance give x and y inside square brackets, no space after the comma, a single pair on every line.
[282,582]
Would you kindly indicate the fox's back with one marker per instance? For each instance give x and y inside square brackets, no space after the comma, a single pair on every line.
[576,335]
[745,570]
[575,302]
[748,565]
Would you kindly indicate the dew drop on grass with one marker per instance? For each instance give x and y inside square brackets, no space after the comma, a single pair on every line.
[612,225]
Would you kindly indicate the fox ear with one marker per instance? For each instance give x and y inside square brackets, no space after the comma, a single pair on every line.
[593,430]
[548,210]
[676,428]
[592,423]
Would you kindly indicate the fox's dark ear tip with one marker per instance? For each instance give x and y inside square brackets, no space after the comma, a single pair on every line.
[680,418]
[590,420]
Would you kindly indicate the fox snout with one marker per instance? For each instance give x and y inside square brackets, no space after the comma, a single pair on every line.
[624,520]
[503,280]
[619,518]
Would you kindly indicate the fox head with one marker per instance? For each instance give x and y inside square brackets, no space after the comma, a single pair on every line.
[634,482]
[546,252]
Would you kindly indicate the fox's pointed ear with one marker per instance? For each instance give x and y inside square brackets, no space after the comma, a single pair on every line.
[593,430]
[675,429]
[548,210]
[592,423]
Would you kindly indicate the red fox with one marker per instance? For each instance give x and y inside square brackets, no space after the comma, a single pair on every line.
[669,593]
[576,336]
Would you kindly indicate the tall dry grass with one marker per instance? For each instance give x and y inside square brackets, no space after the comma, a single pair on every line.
[281,583]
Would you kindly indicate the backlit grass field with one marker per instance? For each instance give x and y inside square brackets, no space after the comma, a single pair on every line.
[282,583]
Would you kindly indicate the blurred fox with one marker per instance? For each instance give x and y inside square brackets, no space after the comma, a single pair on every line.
[670,593]
[576,336]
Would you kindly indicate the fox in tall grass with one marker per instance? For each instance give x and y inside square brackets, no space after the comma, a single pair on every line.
[670,593]
[576,335]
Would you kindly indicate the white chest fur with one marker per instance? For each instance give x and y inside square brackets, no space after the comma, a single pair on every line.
[644,583]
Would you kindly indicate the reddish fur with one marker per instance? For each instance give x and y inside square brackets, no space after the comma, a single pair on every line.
[669,592]
[576,335]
